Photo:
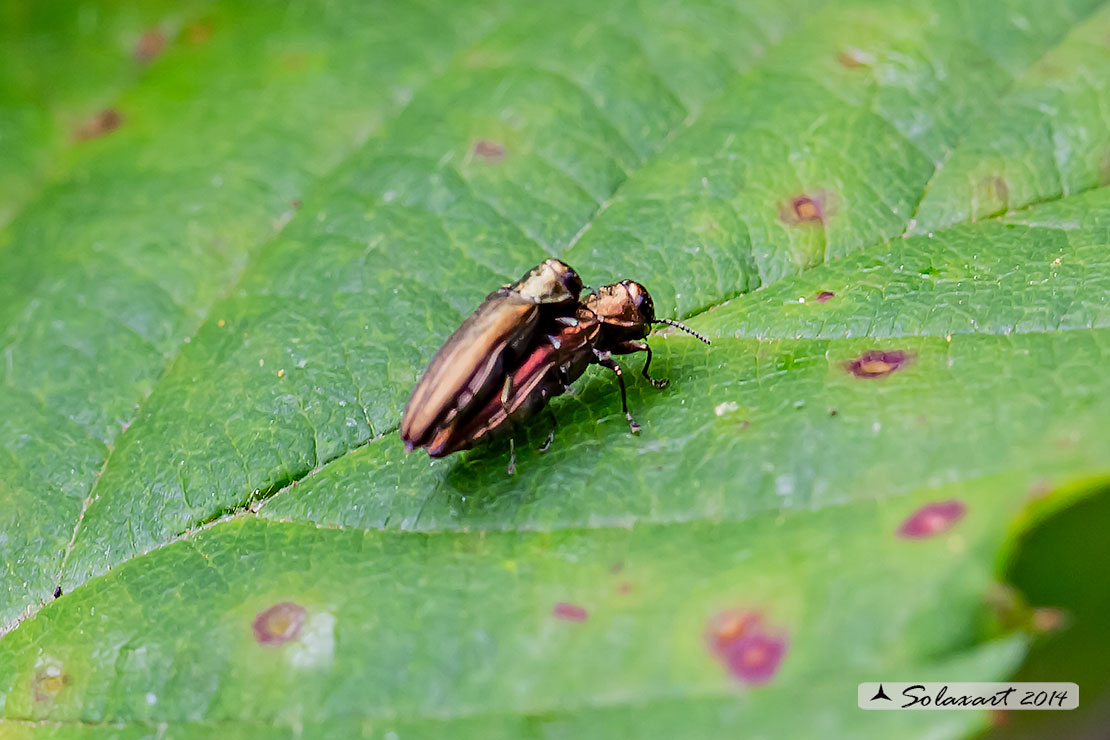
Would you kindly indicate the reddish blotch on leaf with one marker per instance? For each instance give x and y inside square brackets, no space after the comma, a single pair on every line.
[877,363]
[486,149]
[149,46]
[570,612]
[806,208]
[743,643]
[100,124]
[932,519]
[279,624]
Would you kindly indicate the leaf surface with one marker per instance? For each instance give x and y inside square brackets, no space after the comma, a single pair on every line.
[215,314]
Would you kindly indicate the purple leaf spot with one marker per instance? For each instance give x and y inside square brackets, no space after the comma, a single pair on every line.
[932,519]
[279,624]
[486,149]
[149,46]
[755,658]
[570,612]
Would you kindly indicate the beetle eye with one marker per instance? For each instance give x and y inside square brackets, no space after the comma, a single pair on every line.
[641,299]
[647,308]
[572,281]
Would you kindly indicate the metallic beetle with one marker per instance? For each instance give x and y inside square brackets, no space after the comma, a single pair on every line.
[470,365]
[612,320]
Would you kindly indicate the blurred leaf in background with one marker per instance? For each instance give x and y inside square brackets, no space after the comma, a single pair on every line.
[234,233]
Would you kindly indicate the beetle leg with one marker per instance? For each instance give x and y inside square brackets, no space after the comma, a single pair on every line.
[506,396]
[564,378]
[551,434]
[627,348]
[511,470]
[605,360]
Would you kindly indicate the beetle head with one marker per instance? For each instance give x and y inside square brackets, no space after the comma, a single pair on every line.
[551,281]
[626,311]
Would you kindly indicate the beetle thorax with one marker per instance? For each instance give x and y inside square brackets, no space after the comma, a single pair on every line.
[552,281]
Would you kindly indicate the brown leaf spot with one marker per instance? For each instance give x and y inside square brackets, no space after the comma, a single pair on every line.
[48,683]
[570,612]
[279,624]
[750,651]
[806,208]
[1039,489]
[490,150]
[100,124]
[877,363]
[198,33]
[932,519]
[149,46]
[853,58]
[999,717]
[624,588]
[824,295]
[1049,619]
[296,204]
[293,60]
[729,626]
[616,567]
[1068,440]
[1006,605]
[993,194]
[998,187]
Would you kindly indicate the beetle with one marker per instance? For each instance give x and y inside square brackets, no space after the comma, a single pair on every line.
[471,364]
[613,320]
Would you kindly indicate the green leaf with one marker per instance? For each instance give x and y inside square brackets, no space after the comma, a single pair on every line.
[61,71]
[213,316]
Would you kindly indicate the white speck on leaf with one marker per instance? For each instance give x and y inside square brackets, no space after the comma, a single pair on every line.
[316,644]
[725,408]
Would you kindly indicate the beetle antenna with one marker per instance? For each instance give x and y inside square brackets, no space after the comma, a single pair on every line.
[682,326]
